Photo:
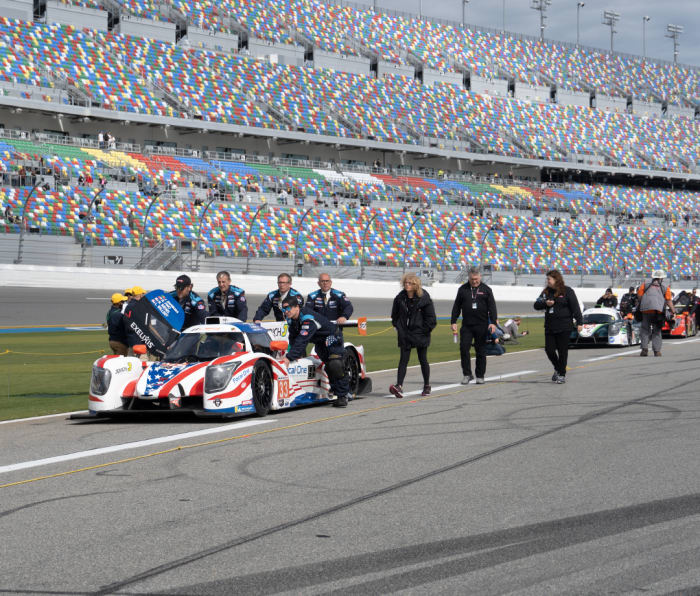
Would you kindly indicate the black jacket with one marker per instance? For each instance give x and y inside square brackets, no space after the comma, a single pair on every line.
[414,319]
[628,303]
[485,311]
[310,327]
[564,311]
[115,325]
[607,302]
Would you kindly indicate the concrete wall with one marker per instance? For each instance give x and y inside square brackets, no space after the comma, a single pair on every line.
[646,108]
[679,112]
[537,93]
[78,16]
[483,86]
[204,38]
[17,9]
[278,53]
[340,62]
[139,27]
[387,68]
[565,97]
[608,103]
[435,76]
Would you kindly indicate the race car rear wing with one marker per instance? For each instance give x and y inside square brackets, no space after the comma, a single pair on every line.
[279,329]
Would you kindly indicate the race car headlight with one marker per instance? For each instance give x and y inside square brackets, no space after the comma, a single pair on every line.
[615,329]
[101,378]
[217,377]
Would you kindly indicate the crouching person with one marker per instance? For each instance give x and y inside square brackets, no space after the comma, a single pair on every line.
[307,326]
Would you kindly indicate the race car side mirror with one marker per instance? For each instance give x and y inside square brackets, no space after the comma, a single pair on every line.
[278,346]
[139,349]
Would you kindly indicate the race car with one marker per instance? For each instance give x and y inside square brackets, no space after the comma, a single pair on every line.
[682,326]
[222,368]
[605,327]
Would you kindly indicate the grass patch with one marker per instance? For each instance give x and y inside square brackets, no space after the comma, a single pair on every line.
[49,373]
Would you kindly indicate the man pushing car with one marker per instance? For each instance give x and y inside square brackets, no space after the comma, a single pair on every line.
[307,326]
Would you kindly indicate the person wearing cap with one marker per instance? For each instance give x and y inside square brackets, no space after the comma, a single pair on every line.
[307,326]
[227,300]
[274,299]
[331,303]
[191,302]
[654,297]
[116,329]
[607,300]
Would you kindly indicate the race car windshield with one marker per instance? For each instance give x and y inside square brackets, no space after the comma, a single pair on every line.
[597,319]
[198,347]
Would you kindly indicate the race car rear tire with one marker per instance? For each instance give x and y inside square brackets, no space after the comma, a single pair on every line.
[261,385]
[352,370]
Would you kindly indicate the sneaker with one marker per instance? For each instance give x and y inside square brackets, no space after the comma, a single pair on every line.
[466,379]
[560,380]
[396,391]
[480,380]
[555,375]
[657,354]
[426,390]
[341,401]
[644,352]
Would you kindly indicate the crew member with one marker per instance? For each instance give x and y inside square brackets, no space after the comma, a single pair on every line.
[331,303]
[654,297]
[607,300]
[307,326]
[227,300]
[115,326]
[477,306]
[628,302]
[274,299]
[191,302]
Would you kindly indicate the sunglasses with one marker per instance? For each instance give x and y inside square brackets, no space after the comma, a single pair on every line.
[286,308]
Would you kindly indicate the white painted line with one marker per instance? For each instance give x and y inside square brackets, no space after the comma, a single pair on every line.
[42,417]
[629,352]
[454,385]
[125,446]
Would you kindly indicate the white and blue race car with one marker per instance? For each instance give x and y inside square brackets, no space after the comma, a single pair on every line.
[605,327]
[222,368]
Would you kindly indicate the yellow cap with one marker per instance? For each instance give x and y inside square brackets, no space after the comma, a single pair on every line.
[137,291]
[117,298]
[128,292]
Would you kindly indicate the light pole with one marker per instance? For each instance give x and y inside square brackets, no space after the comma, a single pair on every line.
[420,9]
[405,240]
[610,17]
[464,12]
[23,222]
[579,6]
[541,6]
[250,232]
[364,241]
[296,237]
[155,197]
[504,16]
[199,229]
[88,220]
[673,32]
[645,20]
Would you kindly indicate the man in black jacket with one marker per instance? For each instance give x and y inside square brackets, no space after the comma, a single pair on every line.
[608,300]
[478,308]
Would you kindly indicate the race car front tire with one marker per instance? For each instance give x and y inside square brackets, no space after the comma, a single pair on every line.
[262,387]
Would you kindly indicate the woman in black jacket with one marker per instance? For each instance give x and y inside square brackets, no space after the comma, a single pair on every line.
[560,307]
[413,315]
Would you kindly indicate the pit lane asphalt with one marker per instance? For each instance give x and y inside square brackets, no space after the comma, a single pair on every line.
[24,307]
[514,486]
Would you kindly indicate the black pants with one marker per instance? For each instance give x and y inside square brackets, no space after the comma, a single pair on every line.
[335,350]
[403,363]
[477,334]
[556,346]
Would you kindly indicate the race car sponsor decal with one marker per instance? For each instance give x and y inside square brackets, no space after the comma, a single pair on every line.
[123,369]
[282,391]
[160,374]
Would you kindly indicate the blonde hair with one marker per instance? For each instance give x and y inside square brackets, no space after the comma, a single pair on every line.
[412,277]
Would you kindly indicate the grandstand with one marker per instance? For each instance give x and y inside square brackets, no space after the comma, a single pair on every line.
[410,143]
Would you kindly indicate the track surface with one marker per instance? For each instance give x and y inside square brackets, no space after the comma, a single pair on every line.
[23,307]
[514,486]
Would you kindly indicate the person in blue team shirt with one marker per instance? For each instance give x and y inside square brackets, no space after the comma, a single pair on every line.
[227,300]
[331,303]
[191,302]
[273,299]
[307,326]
